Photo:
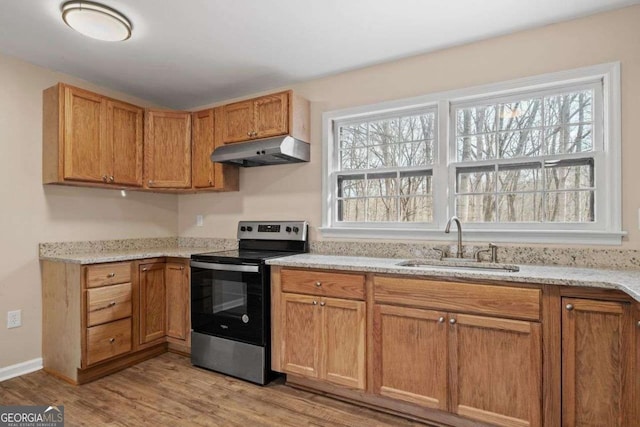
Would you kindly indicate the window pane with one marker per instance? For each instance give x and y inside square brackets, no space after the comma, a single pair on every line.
[354,158]
[415,182]
[476,180]
[353,136]
[574,107]
[480,147]
[476,120]
[569,139]
[526,177]
[523,207]
[351,186]
[351,210]
[570,175]
[384,132]
[383,156]
[382,209]
[417,128]
[416,209]
[569,206]
[523,114]
[382,185]
[476,208]
[419,153]
[525,143]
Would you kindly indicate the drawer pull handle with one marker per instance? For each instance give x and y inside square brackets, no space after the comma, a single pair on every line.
[112,303]
[182,267]
[440,319]
[323,303]
[569,307]
[112,340]
[318,284]
[144,268]
[111,275]
[315,303]
[452,321]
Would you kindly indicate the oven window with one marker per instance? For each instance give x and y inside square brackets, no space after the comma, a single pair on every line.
[229,298]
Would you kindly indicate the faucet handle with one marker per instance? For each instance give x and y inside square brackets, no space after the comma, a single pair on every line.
[441,251]
[494,252]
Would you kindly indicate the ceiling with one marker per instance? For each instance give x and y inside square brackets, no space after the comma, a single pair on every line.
[188,53]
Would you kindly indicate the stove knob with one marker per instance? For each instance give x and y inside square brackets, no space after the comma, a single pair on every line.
[288,229]
[249,228]
[243,228]
[296,229]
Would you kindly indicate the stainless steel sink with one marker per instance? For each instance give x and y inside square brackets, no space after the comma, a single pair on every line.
[459,263]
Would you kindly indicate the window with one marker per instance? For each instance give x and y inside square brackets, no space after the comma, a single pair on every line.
[531,160]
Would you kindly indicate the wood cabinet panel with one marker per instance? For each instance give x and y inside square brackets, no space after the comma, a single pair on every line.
[152,302]
[108,274]
[597,363]
[507,301]
[203,142]
[84,135]
[108,340]
[301,332]
[339,285]
[271,115]
[123,161]
[343,342]
[495,368]
[177,283]
[167,145]
[108,303]
[410,355]
[238,122]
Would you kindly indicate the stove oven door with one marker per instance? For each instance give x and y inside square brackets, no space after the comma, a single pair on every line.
[228,300]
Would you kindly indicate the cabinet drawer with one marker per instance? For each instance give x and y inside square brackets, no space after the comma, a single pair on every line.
[108,340]
[340,285]
[108,303]
[504,301]
[108,274]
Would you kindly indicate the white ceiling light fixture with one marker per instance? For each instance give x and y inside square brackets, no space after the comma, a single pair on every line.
[96,21]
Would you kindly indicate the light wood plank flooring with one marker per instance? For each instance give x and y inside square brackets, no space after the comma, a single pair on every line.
[167,390]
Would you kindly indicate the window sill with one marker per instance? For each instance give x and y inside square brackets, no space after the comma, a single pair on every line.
[469,235]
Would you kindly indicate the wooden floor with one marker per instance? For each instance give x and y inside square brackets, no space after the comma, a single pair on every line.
[167,390]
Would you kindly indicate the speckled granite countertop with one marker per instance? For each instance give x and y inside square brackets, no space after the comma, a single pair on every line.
[124,255]
[625,281]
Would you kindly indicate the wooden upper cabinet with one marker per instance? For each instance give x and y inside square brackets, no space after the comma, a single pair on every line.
[495,370]
[280,113]
[90,138]
[203,144]
[152,302]
[167,145]
[125,140]
[597,363]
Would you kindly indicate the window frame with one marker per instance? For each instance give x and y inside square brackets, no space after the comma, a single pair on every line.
[607,227]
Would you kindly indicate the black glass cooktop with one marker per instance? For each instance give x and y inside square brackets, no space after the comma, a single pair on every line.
[240,256]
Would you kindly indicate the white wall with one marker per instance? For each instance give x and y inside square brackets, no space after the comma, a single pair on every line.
[33,213]
[294,191]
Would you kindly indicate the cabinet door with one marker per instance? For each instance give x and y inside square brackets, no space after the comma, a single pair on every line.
[123,158]
[203,142]
[238,122]
[167,149]
[271,115]
[495,370]
[301,335]
[596,363]
[177,282]
[343,342]
[84,135]
[152,302]
[410,355]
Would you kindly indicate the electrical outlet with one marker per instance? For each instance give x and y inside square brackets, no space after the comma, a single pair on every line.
[199,221]
[14,319]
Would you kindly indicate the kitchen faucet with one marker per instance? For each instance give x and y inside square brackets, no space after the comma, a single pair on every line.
[446,230]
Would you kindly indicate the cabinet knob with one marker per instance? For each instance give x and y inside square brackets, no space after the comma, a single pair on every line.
[144,268]
[248,133]
[182,267]
[318,284]
[210,182]
[569,307]
[112,340]
[452,321]
[110,275]
[638,323]
[104,178]
[112,303]
[440,319]
[315,303]
[150,182]
[323,303]
[111,178]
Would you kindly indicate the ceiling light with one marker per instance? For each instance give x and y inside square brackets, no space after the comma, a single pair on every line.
[96,21]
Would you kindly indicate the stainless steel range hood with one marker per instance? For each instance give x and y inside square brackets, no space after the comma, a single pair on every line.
[271,151]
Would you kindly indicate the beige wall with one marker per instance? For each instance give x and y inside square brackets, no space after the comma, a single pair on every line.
[33,213]
[294,191]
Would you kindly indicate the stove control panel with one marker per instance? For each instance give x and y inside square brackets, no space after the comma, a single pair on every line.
[273,230]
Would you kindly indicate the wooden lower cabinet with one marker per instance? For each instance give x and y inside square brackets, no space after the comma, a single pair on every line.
[410,355]
[598,363]
[153,304]
[495,370]
[178,302]
[324,338]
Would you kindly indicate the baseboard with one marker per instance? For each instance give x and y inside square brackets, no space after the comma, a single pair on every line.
[20,369]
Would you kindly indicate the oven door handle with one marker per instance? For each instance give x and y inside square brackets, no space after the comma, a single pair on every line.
[226,267]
